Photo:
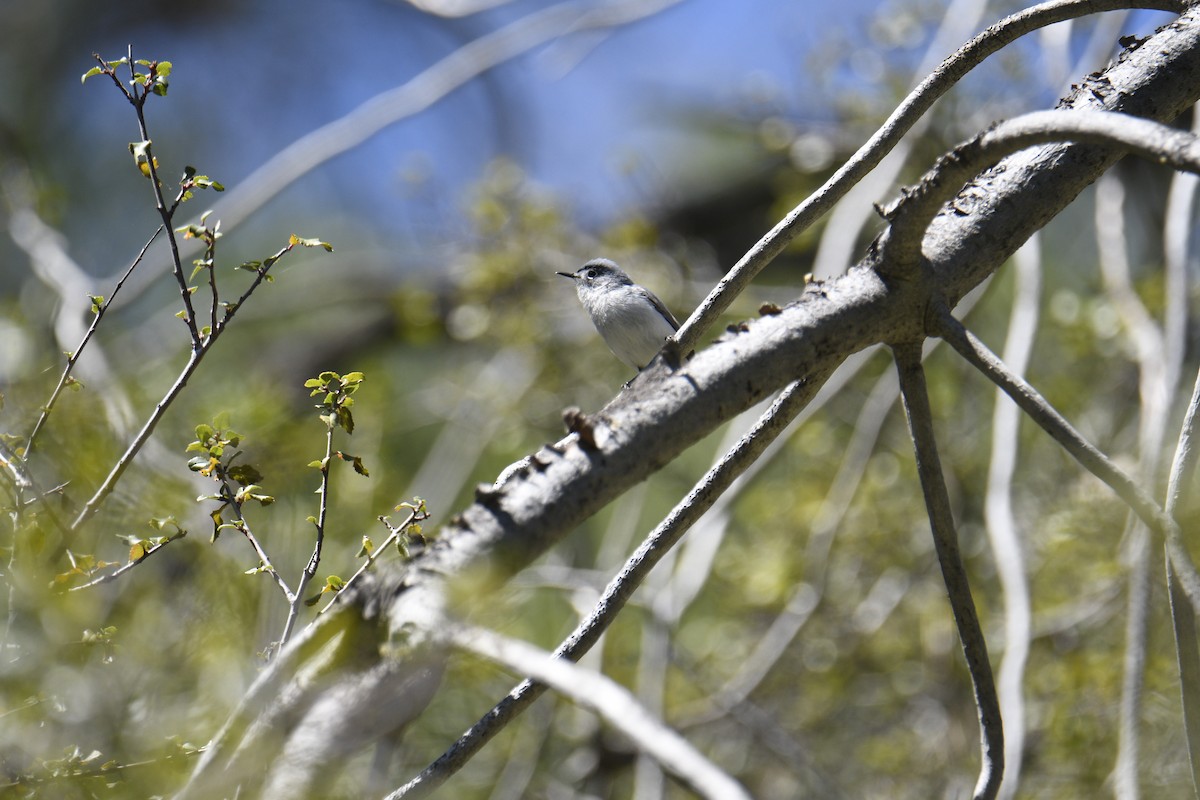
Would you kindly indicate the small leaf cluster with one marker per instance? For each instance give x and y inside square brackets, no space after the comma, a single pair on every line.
[155,80]
[142,546]
[337,400]
[191,180]
[83,567]
[333,584]
[261,267]
[216,445]
[404,536]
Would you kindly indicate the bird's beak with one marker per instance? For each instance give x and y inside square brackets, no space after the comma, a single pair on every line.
[566,275]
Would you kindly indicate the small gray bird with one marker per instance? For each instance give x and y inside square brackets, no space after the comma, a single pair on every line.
[633,322]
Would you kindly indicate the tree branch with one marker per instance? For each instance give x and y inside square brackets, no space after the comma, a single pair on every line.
[911,109]
[608,699]
[945,541]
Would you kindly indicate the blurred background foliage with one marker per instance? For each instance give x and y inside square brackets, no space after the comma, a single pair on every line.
[670,146]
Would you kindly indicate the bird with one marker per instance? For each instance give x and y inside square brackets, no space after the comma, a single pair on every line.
[633,322]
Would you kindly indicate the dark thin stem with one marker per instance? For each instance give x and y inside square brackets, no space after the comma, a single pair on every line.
[165,213]
[243,526]
[314,561]
[139,440]
[945,540]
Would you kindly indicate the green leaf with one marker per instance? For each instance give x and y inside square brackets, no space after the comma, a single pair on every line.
[138,551]
[94,71]
[245,474]
[356,461]
[294,240]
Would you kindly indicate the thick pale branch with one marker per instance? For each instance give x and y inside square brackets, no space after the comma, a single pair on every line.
[664,410]
[912,214]
[706,492]
[911,109]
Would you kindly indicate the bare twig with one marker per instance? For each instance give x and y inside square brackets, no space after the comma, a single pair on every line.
[945,540]
[105,489]
[314,561]
[606,698]
[73,356]
[1032,403]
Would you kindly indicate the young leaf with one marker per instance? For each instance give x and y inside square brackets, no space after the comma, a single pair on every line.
[245,474]
[294,240]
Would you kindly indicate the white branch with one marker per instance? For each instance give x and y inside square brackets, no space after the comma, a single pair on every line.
[608,699]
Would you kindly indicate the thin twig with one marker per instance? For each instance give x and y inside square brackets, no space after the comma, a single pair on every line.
[608,699]
[314,561]
[394,534]
[945,540]
[160,205]
[943,324]
[73,356]
[243,527]
[127,566]
[105,489]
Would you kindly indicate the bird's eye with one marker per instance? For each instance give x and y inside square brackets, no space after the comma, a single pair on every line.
[591,273]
